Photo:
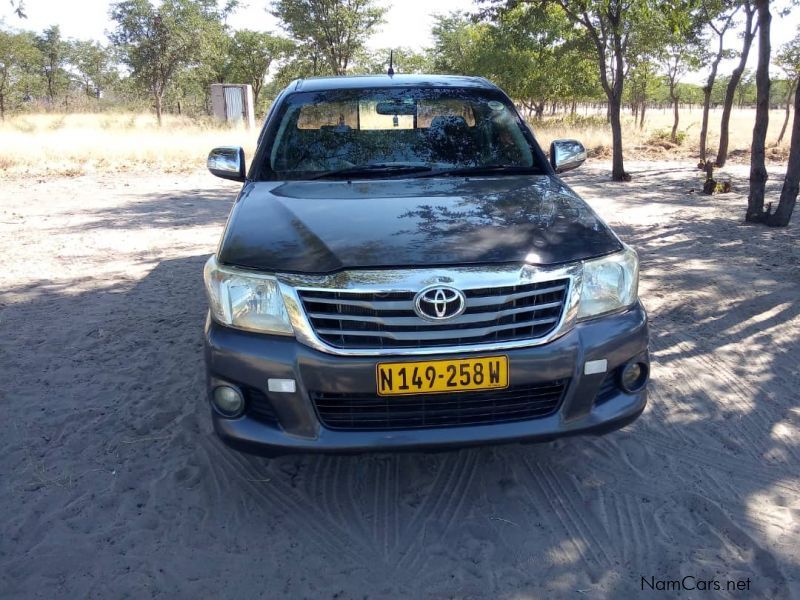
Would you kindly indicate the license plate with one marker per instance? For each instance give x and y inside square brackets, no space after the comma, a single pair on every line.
[437,376]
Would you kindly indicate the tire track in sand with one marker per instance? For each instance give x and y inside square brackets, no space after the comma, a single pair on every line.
[315,525]
[541,489]
[444,492]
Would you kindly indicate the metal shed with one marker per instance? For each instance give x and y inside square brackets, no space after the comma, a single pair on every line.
[233,103]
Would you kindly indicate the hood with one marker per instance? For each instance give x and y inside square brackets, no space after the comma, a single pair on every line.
[325,226]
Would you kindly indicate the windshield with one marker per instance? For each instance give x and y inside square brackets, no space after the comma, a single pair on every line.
[397,132]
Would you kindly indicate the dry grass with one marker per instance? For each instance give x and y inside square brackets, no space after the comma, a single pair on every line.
[650,143]
[77,144]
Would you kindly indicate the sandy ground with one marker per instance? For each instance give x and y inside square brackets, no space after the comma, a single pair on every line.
[112,484]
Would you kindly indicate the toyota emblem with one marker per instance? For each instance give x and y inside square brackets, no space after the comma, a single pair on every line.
[439,302]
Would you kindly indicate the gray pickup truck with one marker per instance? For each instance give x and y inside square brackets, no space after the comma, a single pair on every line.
[403,268]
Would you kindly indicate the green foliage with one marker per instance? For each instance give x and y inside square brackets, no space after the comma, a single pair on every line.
[19,61]
[305,61]
[156,43]
[523,49]
[573,120]
[788,58]
[644,81]
[93,65]
[336,29]
[661,137]
[53,52]
[404,60]
[250,54]
[540,51]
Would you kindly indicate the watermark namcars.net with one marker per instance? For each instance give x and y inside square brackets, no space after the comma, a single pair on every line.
[691,583]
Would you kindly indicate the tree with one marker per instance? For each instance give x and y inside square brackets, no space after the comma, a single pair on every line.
[250,55]
[642,80]
[788,59]
[523,48]
[456,44]
[611,25]
[53,51]
[304,61]
[747,39]
[758,169]
[791,184]
[156,43]
[18,55]
[404,60]
[678,54]
[337,28]
[18,6]
[718,17]
[93,66]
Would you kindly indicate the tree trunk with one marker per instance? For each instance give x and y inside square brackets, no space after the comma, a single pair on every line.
[50,92]
[675,114]
[704,123]
[675,118]
[617,166]
[791,185]
[158,108]
[641,116]
[792,88]
[730,92]
[758,169]
[712,77]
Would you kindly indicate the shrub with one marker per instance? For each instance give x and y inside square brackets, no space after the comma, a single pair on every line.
[660,136]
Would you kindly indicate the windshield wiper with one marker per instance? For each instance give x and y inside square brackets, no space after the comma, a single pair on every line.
[482,170]
[388,168]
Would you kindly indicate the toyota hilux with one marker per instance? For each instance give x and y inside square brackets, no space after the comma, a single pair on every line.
[404,268]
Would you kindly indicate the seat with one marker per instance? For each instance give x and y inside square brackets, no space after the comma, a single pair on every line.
[451,140]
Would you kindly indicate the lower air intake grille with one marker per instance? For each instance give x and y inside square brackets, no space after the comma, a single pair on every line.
[368,412]
[258,405]
[608,389]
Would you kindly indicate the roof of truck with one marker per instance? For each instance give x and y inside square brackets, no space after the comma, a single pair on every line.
[316,84]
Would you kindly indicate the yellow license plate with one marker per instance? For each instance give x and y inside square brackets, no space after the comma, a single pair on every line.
[437,376]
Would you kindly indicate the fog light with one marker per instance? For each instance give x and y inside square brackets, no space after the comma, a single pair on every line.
[633,377]
[228,401]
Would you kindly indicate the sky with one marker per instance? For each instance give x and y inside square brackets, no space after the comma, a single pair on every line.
[408,22]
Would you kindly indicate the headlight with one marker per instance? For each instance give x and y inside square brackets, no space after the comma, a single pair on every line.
[609,283]
[245,300]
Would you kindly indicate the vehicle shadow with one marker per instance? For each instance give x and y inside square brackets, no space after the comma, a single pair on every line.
[114,483]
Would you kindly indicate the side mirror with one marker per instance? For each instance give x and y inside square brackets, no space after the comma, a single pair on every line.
[566,155]
[227,162]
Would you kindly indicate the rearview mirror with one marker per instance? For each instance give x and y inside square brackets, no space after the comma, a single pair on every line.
[227,162]
[566,155]
[396,108]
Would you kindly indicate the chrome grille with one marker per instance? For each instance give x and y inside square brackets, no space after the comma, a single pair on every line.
[386,320]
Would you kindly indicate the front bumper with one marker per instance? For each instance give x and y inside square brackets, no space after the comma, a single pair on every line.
[247,359]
